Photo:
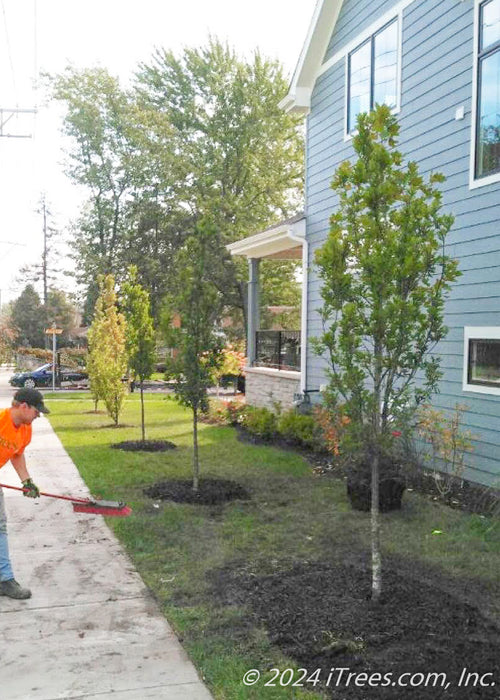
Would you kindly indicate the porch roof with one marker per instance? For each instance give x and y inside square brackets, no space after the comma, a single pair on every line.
[282,241]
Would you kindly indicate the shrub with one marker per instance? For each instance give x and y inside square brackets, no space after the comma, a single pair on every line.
[73,357]
[449,443]
[38,353]
[297,428]
[216,413]
[70,357]
[331,426]
[235,412]
[259,421]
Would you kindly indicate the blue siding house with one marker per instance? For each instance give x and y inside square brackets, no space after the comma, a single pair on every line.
[437,65]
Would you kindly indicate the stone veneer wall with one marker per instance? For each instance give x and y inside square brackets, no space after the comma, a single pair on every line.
[264,386]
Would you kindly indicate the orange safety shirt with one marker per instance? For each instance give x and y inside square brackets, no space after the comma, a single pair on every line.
[12,440]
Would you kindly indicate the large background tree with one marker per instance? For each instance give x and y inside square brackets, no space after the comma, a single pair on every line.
[98,122]
[199,137]
[47,269]
[29,318]
[385,275]
[243,155]
[60,311]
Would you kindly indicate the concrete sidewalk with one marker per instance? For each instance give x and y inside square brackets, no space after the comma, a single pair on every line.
[91,628]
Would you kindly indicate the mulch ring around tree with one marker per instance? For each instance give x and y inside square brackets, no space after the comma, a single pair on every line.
[210,492]
[144,445]
[321,616]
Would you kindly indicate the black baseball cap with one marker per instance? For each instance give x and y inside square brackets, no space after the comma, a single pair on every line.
[33,398]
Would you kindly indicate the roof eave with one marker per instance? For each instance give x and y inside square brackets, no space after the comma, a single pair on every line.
[321,28]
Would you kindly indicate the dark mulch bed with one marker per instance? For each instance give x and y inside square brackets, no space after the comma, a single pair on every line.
[144,445]
[211,491]
[321,615]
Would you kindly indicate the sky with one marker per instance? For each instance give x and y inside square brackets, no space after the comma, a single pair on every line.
[48,35]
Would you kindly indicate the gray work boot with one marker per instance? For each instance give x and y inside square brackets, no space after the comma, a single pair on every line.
[12,589]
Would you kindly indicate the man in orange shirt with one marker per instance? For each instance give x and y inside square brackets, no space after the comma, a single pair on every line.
[15,434]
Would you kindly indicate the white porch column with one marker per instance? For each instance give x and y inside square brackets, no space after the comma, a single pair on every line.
[253,309]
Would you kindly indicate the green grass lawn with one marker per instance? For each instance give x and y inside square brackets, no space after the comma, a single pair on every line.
[293,515]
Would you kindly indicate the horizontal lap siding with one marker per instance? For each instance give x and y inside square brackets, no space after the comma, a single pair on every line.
[437,73]
[355,17]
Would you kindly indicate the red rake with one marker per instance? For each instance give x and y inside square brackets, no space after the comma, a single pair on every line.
[86,505]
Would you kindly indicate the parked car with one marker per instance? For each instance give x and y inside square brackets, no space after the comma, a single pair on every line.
[42,376]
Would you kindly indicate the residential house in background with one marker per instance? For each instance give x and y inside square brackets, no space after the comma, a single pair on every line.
[437,65]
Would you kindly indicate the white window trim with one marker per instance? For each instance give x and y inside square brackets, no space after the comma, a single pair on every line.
[356,43]
[471,333]
[474,182]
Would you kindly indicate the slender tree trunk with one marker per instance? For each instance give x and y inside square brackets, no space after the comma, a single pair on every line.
[375,485]
[375,530]
[142,413]
[196,464]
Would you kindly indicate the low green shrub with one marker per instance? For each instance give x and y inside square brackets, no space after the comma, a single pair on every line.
[259,421]
[298,429]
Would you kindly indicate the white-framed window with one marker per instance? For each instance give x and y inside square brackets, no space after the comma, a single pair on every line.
[485,152]
[373,73]
[482,359]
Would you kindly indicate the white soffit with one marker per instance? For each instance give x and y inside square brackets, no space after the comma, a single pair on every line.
[272,242]
[321,28]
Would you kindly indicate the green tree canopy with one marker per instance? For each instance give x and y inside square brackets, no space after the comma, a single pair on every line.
[29,318]
[198,137]
[61,311]
[243,155]
[107,356]
[99,123]
[197,304]
[140,336]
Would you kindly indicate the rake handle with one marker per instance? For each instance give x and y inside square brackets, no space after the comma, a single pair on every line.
[51,495]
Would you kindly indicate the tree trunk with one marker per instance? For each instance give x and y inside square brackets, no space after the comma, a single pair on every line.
[142,413]
[375,509]
[196,464]
[375,531]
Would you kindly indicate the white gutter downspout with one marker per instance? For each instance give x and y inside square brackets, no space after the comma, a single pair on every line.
[303,327]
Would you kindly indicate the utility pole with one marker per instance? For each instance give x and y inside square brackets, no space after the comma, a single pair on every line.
[44,255]
[6,115]
[42,271]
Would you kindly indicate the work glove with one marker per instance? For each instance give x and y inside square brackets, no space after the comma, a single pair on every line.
[31,490]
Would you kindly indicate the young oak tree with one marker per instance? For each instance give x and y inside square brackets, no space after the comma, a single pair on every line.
[107,358]
[197,304]
[140,337]
[385,276]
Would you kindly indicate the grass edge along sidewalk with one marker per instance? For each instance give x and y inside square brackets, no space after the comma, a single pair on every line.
[293,517]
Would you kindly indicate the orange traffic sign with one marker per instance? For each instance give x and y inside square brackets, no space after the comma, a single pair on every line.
[57,331]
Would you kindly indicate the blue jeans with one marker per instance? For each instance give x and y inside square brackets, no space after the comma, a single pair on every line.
[5,565]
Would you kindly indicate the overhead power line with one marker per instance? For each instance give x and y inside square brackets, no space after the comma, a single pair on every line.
[9,50]
[6,115]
